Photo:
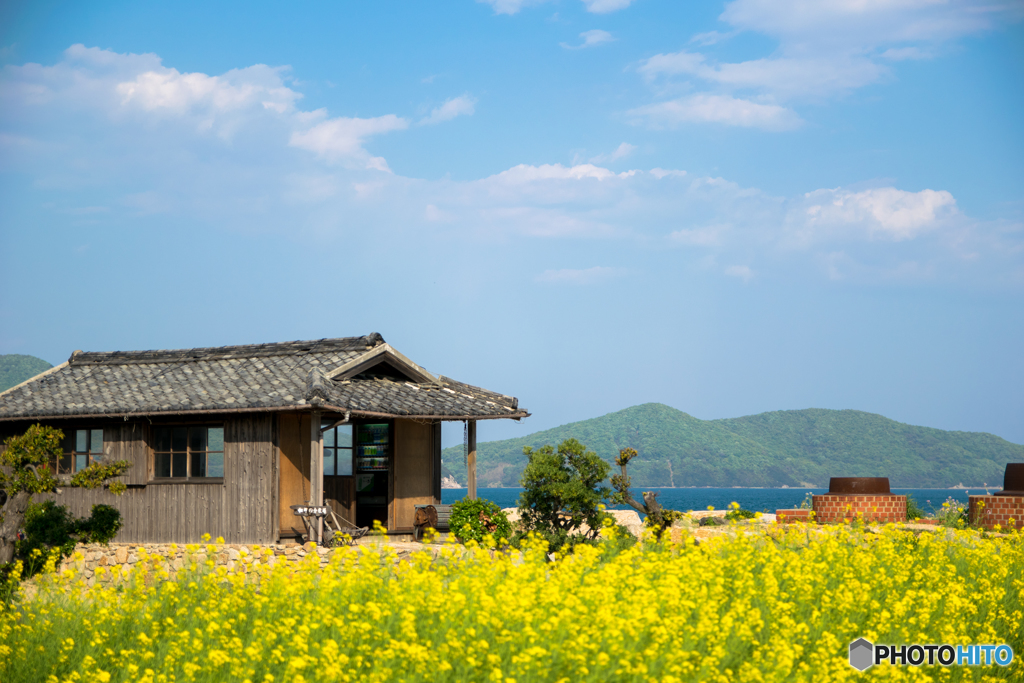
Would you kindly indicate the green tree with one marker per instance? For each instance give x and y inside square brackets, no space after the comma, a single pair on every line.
[28,464]
[657,517]
[563,491]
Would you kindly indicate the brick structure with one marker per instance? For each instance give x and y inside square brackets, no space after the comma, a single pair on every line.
[873,509]
[794,515]
[988,511]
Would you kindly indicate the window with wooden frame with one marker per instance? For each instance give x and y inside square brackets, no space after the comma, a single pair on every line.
[188,453]
[82,447]
[337,449]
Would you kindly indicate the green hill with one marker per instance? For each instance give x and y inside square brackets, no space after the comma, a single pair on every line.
[782,448]
[15,369]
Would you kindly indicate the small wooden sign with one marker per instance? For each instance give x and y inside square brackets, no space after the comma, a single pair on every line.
[310,510]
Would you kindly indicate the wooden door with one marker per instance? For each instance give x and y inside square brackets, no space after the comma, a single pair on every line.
[413,470]
[293,487]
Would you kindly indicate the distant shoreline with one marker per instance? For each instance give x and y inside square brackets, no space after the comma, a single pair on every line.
[758,488]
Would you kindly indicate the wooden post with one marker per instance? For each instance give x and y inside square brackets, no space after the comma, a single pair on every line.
[471,459]
[316,470]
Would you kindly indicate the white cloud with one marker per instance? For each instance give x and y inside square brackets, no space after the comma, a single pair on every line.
[140,89]
[660,173]
[539,198]
[586,276]
[524,173]
[705,108]
[515,6]
[463,105]
[744,273]
[510,6]
[168,89]
[342,139]
[622,151]
[590,39]
[710,37]
[605,6]
[859,23]
[810,78]
[879,213]
[69,133]
[672,64]
[825,49]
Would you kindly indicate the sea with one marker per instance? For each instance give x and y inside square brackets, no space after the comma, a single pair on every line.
[756,500]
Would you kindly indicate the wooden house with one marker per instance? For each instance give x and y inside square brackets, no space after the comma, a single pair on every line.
[226,440]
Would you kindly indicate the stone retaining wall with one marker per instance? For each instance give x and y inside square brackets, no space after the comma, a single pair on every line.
[989,511]
[94,561]
[873,509]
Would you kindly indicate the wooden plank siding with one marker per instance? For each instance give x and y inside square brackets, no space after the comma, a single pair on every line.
[414,470]
[127,441]
[293,456]
[241,508]
[266,469]
[340,495]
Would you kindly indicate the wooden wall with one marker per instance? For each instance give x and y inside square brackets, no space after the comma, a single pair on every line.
[340,496]
[241,509]
[293,441]
[266,470]
[127,441]
[414,471]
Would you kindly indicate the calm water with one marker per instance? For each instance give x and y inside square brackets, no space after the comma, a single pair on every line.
[759,500]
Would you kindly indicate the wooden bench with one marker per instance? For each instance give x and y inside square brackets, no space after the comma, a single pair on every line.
[430,517]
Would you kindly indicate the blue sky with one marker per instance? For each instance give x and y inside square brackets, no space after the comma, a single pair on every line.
[726,207]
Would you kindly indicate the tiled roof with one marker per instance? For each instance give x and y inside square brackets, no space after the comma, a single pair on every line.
[288,375]
[395,397]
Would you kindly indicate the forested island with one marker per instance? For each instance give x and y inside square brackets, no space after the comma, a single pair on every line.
[15,368]
[796,448]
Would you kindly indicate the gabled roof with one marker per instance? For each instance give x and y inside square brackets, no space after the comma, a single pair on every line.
[361,375]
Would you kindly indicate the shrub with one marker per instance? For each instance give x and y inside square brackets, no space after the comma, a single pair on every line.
[51,527]
[471,520]
[563,492]
[48,525]
[914,510]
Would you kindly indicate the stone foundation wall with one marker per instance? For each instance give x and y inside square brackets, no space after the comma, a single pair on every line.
[876,509]
[97,562]
[989,511]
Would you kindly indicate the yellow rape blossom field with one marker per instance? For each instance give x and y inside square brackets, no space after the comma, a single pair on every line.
[775,605]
